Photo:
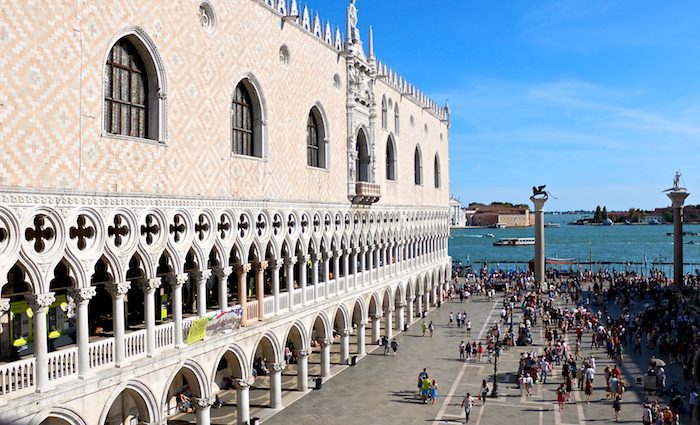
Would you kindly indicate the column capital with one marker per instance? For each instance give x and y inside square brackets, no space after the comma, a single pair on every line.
[276,264]
[316,257]
[357,250]
[361,323]
[377,316]
[244,383]
[345,332]
[277,367]
[118,289]
[401,304]
[303,353]
[178,280]
[224,272]
[149,285]
[242,268]
[81,294]
[391,309]
[304,258]
[4,305]
[677,198]
[349,251]
[204,274]
[290,261]
[40,301]
[325,342]
[204,402]
[260,266]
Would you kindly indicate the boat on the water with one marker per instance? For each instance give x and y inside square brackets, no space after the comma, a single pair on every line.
[654,220]
[554,225]
[514,242]
[498,226]
[489,235]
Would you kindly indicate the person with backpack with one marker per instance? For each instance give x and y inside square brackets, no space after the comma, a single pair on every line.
[431,328]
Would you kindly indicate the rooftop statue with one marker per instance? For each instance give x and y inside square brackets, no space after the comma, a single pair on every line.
[676,183]
[539,190]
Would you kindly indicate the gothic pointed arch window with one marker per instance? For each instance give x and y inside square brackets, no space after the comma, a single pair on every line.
[417,167]
[363,159]
[132,90]
[316,143]
[437,171]
[396,118]
[384,113]
[247,121]
[390,159]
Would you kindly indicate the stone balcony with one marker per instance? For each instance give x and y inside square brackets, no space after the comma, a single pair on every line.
[367,193]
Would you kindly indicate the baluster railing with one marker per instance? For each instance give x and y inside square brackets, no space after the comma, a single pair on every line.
[63,363]
[269,306]
[284,301]
[101,352]
[17,376]
[165,335]
[252,309]
[135,343]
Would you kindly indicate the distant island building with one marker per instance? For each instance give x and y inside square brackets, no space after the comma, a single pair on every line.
[457,216]
[499,214]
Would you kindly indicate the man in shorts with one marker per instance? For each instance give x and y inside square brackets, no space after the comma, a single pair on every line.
[467,404]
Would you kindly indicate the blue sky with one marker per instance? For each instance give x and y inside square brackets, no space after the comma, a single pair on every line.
[600,100]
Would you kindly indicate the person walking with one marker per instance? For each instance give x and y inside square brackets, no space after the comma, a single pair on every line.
[462,351]
[431,328]
[647,416]
[467,404]
[527,382]
[421,377]
[483,392]
[617,405]
[424,327]
[469,328]
[561,396]
[394,346]
[425,389]
[434,391]
[385,344]
[451,320]
[588,390]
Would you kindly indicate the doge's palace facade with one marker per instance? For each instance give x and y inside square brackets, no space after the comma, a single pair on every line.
[204,201]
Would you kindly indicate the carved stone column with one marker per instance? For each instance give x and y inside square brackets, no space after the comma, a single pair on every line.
[149,287]
[346,269]
[344,346]
[303,370]
[303,260]
[176,283]
[202,279]
[363,266]
[242,273]
[361,350]
[389,322]
[326,276]
[260,268]
[223,275]
[326,357]
[40,305]
[370,265]
[400,310]
[276,265]
[376,328]
[419,304]
[276,384]
[118,291]
[289,264]
[314,273]
[203,405]
[411,315]
[243,400]
[82,297]
[336,270]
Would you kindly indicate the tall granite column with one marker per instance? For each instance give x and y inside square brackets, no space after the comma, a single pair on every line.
[538,201]
[677,196]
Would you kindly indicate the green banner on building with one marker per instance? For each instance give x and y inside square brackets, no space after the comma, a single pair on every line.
[198,330]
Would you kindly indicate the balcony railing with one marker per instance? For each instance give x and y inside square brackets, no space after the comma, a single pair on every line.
[366,193]
[18,377]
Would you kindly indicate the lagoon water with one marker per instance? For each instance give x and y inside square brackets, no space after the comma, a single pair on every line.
[618,243]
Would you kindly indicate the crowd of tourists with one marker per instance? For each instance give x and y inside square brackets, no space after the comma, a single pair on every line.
[618,312]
